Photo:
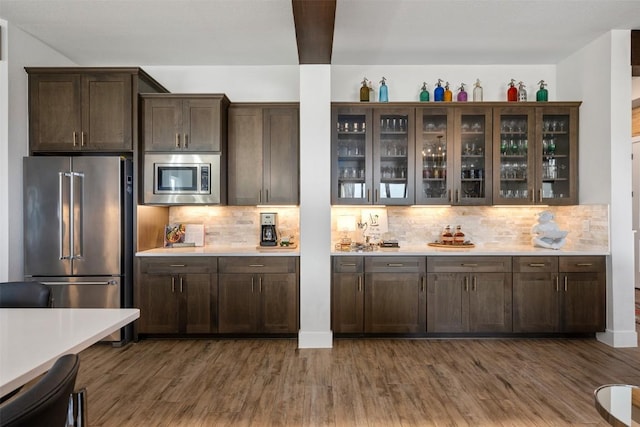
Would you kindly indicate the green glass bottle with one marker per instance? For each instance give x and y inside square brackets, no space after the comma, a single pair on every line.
[542,95]
[424,93]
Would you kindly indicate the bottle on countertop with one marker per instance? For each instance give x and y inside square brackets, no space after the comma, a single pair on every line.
[512,92]
[424,93]
[383,93]
[364,91]
[448,95]
[458,236]
[447,236]
[522,92]
[462,94]
[438,92]
[542,95]
[477,91]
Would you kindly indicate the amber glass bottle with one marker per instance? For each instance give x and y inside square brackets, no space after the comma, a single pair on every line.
[458,236]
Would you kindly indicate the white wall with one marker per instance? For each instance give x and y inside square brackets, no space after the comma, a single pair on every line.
[22,50]
[605,141]
[4,150]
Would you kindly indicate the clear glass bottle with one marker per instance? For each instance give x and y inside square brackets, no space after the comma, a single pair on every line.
[438,92]
[424,93]
[364,91]
[522,92]
[383,93]
[462,94]
[458,236]
[477,91]
[512,92]
[372,92]
[542,95]
[448,95]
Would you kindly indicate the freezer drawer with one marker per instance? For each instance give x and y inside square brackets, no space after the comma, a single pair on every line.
[85,292]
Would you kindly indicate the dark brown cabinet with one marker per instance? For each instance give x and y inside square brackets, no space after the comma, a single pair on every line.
[180,122]
[559,294]
[263,154]
[177,295]
[85,109]
[347,295]
[258,295]
[469,294]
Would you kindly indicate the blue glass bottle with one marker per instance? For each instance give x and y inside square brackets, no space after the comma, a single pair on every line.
[383,93]
[438,92]
[424,93]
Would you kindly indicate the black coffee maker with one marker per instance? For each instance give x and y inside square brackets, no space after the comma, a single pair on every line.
[268,235]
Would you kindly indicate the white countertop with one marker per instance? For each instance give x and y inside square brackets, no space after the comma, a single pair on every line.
[424,250]
[32,339]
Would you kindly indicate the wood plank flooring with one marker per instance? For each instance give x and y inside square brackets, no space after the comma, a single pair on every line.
[377,382]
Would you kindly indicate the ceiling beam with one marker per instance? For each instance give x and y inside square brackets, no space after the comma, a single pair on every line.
[314,21]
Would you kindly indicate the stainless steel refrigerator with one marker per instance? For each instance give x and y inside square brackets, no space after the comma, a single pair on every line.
[78,230]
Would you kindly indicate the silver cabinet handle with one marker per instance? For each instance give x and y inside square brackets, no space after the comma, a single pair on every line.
[540,194]
[181,287]
[449,195]
[533,195]
[348,264]
[186,140]
[422,286]
[536,264]
[266,192]
[474,284]
[82,139]
[359,283]
[75,138]
[177,140]
[256,265]
[173,284]
[468,265]
[368,195]
[260,282]
[466,284]
[259,196]
[566,283]
[457,195]
[391,264]
[252,288]
[557,284]
[584,264]
[177,265]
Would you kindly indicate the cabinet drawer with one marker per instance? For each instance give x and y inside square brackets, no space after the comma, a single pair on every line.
[535,264]
[394,264]
[572,264]
[348,264]
[258,264]
[464,264]
[177,265]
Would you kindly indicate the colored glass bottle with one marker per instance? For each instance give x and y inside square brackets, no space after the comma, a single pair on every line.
[383,93]
[462,94]
[458,236]
[477,91]
[438,92]
[364,91]
[447,236]
[424,93]
[448,95]
[542,95]
[512,92]
[522,92]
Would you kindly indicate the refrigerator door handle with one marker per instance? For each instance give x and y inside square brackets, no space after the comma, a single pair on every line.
[61,176]
[76,253]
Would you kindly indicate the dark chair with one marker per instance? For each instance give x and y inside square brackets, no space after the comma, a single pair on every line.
[24,295]
[46,403]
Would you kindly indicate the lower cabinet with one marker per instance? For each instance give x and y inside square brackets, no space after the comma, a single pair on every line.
[347,294]
[258,295]
[177,295]
[469,294]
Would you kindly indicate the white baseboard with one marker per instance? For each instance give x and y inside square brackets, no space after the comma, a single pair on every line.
[315,339]
[618,339]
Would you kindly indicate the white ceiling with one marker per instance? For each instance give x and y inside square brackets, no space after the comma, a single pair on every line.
[258,32]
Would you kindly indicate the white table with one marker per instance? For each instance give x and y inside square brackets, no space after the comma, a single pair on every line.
[32,339]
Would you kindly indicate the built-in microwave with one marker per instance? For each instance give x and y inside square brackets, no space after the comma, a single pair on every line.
[181,178]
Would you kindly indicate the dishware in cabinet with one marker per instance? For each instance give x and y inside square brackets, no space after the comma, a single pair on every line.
[556,153]
[393,156]
[352,154]
[513,156]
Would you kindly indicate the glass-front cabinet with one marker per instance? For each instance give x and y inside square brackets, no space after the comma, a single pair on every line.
[374,156]
[535,155]
[434,156]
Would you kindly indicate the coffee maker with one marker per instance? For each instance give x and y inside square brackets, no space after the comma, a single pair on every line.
[268,235]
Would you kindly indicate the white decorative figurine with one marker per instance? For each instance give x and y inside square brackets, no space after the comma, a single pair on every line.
[546,233]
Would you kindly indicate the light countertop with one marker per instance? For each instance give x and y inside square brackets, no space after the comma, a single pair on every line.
[221,251]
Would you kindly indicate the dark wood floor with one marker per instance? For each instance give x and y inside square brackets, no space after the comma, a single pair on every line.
[467,382]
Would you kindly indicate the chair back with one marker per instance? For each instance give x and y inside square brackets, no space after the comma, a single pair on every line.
[24,295]
[46,403]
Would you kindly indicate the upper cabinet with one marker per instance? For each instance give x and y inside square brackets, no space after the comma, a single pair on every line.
[179,122]
[263,154]
[85,109]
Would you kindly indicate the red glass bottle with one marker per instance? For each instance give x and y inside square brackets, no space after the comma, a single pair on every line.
[512,92]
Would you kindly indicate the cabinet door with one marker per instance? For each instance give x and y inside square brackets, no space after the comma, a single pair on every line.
[55,118]
[196,306]
[535,302]
[351,154]
[490,303]
[347,303]
[245,156]
[158,304]
[447,302]
[514,179]
[237,303]
[395,303]
[278,303]
[557,155]
[107,112]
[280,158]
[583,302]
[434,159]
[472,154]
[393,156]
[162,129]
[201,125]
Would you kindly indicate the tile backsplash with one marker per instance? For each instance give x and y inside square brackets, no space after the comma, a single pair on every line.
[588,225]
